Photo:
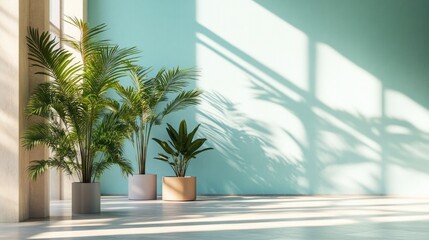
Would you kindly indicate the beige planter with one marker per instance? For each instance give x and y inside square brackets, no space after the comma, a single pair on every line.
[142,187]
[85,198]
[179,188]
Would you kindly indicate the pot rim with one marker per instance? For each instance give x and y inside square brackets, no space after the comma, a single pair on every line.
[146,174]
[86,182]
[179,177]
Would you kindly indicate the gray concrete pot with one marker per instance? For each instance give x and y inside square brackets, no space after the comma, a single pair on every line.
[142,187]
[85,198]
[179,188]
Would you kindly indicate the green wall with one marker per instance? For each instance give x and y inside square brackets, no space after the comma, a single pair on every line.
[301,97]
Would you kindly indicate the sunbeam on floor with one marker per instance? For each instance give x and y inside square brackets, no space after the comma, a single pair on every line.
[238,217]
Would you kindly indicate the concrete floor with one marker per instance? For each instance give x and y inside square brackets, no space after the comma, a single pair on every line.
[344,217]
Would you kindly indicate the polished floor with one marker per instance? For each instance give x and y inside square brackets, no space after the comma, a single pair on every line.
[250,217]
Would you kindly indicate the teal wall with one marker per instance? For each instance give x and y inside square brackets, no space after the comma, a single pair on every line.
[301,97]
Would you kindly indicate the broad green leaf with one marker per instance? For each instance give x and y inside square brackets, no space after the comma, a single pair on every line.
[165,146]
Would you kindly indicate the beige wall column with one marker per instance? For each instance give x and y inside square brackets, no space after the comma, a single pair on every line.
[39,189]
[21,199]
[13,202]
[18,201]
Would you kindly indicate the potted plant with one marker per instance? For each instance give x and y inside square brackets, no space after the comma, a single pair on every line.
[142,101]
[181,149]
[82,125]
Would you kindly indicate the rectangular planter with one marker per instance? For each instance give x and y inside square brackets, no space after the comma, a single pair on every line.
[142,187]
[179,188]
[85,198]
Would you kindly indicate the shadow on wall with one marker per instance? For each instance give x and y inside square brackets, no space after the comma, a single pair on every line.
[346,149]
[386,38]
[240,164]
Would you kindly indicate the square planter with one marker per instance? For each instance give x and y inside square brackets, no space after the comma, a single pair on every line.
[179,188]
[142,187]
[85,198]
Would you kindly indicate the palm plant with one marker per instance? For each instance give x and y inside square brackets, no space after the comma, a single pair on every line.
[82,125]
[143,98]
[181,147]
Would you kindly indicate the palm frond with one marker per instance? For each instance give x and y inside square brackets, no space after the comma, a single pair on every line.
[181,101]
[43,133]
[174,80]
[101,166]
[104,69]
[59,64]
[38,167]
[88,43]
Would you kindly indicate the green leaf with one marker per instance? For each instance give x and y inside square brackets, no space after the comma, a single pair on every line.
[174,136]
[162,157]
[183,135]
[195,145]
[191,137]
[200,151]
[165,146]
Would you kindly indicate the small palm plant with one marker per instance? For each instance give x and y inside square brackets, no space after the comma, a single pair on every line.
[181,148]
[82,125]
[143,99]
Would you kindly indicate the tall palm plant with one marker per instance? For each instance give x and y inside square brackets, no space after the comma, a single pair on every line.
[143,100]
[82,124]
